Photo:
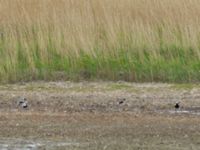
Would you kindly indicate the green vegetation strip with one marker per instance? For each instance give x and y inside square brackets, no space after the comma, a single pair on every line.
[172,63]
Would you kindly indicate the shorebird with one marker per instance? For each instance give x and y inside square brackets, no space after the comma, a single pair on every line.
[24,105]
[177,105]
[23,102]
[121,101]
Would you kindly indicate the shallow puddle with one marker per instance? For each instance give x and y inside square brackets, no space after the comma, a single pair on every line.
[183,111]
[22,144]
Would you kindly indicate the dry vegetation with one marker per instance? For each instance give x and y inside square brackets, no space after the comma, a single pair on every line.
[133,40]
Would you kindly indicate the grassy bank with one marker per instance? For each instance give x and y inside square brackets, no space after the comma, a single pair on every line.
[132,40]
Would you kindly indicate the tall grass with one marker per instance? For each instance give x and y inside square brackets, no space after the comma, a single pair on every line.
[132,40]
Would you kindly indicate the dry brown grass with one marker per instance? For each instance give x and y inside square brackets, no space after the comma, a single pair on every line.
[83,23]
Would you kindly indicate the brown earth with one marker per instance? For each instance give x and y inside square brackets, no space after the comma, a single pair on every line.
[88,115]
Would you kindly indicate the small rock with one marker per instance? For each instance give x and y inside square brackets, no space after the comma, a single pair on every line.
[185,136]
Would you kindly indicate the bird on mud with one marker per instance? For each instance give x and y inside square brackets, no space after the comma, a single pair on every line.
[23,102]
[121,101]
[177,105]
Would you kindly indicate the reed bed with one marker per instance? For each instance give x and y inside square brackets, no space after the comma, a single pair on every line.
[131,40]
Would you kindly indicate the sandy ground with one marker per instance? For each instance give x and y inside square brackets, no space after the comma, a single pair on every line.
[100,115]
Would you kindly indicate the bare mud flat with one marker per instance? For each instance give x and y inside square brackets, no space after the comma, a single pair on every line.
[99,115]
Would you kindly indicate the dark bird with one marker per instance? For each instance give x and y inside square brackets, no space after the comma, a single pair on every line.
[177,105]
[121,101]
